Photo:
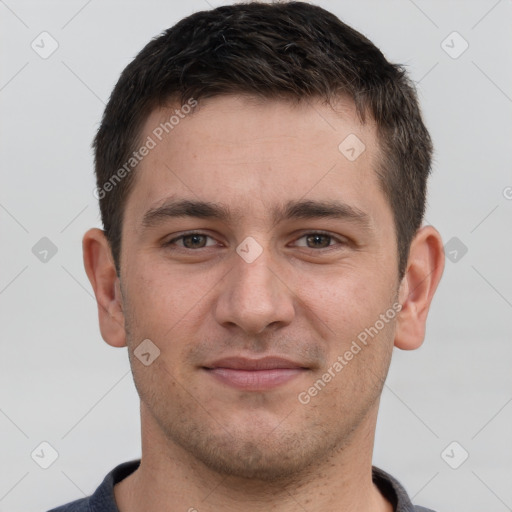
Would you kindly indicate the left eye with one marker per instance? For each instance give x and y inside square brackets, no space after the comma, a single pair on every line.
[316,240]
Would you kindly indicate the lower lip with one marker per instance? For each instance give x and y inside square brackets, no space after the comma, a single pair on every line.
[255,380]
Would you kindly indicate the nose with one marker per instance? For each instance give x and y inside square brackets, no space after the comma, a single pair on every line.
[255,295]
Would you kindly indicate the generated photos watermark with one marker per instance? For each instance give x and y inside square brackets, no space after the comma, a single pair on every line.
[150,143]
[357,346]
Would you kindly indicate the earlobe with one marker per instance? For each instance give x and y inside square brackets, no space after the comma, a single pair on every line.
[101,272]
[424,270]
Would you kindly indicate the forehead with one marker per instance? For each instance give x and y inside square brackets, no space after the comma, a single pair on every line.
[251,154]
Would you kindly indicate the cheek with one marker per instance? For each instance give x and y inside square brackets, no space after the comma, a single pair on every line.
[356,339]
[347,299]
[165,292]
[167,305]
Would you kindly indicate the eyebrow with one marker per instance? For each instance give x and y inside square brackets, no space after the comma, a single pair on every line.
[176,208]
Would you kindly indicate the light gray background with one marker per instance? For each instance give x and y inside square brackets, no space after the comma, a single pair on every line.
[60,383]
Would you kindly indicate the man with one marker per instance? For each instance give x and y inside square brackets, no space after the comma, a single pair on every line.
[261,172]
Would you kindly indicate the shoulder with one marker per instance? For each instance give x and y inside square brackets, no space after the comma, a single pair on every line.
[103,499]
[81,505]
[394,492]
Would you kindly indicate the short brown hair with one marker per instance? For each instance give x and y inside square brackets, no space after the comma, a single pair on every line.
[291,50]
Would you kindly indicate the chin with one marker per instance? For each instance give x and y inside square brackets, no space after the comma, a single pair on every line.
[248,460]
[256,452]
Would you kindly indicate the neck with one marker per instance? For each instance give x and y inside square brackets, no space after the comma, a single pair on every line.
[169,475]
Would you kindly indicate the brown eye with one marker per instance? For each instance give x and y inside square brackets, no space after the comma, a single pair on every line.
[318,241]
[194,241]
[191,241]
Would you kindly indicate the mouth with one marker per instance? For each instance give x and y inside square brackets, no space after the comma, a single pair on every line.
[255,374]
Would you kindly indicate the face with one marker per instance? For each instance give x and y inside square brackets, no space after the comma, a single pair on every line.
[256,257]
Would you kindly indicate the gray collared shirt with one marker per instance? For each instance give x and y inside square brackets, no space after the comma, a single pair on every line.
[103,498]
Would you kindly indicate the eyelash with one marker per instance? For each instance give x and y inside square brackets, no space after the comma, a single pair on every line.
[311,233]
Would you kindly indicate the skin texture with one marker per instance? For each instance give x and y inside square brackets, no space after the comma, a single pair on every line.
[206,444]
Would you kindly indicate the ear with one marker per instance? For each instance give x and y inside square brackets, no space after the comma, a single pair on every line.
[424,270]
[101,271]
